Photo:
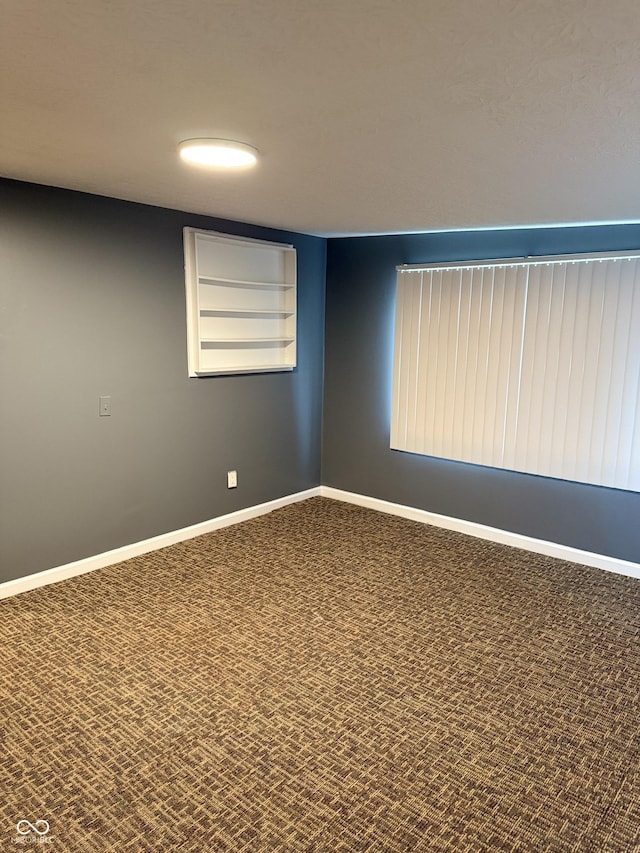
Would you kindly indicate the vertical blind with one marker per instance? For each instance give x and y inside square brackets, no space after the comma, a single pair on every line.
[529,365]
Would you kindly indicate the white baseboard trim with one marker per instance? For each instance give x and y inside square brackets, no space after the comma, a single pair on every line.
[108,558]
[471,528]
[481,531]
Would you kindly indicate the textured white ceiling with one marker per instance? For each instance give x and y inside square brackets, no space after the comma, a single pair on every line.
[372,116]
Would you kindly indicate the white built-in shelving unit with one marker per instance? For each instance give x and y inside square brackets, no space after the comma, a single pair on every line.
[241,304]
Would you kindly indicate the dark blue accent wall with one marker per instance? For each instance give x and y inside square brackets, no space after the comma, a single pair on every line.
[359,338]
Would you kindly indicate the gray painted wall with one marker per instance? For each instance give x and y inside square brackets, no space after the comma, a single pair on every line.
[92,303]
[359,337]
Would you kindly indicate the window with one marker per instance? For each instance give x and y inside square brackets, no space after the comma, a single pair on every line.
[531,365]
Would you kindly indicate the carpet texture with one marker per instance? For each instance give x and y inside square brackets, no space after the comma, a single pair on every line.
[324,678]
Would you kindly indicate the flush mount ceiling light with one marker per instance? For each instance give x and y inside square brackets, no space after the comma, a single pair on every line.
[220,153]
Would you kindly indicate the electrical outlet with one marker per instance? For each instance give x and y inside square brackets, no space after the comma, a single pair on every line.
[232,479]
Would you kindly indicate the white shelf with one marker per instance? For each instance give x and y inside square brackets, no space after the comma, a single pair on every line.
[257,368]
[241,304]
[236,282]
[242,341]
[241,312]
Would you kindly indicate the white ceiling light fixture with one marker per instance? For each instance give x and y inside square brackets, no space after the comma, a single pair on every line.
[218,153]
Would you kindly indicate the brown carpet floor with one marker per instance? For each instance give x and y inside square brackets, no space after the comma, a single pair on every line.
[325,678]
